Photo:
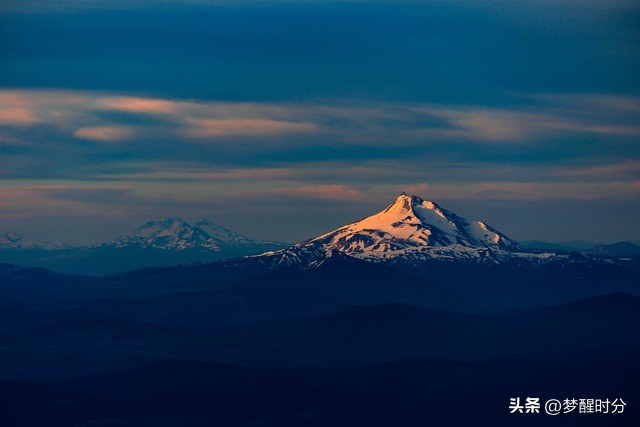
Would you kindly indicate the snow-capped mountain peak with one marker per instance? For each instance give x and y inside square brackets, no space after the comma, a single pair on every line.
[409,229]
[170,233]
[411,223]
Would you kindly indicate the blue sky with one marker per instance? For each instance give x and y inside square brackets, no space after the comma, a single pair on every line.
[285,119]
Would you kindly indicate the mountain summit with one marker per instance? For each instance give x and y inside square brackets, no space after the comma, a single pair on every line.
[410,229]
[170,233]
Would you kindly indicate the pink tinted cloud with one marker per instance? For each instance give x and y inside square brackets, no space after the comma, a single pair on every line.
[527,191]
[613,171]
[17,116]
[197,174]
[105,133]
[551,190]
[422,190]
[27,201]
[323,192]
[139,105]
[213,128]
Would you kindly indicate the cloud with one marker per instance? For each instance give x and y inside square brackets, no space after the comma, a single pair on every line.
[557,138]
[47,200]
[621,171]
[17,116]
[105,133]
[528,191]
[322,192]
[139,105]
[170,173]
[500,125]
[100,194]
[82,114]
[214,128]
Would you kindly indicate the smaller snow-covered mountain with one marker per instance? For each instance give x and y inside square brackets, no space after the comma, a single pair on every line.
[410,230]
[177,234]
[16,241]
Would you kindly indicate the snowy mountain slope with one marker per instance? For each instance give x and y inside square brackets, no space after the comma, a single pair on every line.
[413,223]
[412,230]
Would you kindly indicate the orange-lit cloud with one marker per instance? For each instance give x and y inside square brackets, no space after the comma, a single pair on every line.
[17,116]
[212,128]
[139,105]
[105,133]
[323,192]
[353,123]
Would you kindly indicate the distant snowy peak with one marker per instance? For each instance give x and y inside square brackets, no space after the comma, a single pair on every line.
[171,233]
[177,234]
[16,241]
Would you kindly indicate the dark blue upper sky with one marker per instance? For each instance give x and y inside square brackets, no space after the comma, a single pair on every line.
[284,119]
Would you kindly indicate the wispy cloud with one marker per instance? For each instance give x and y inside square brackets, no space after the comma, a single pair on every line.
[328,150]
[214,128]
[106,133]
[138,105]
[528,191]
[322,192]
[82,115]
[17,116]
[60,199]
[500,125]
